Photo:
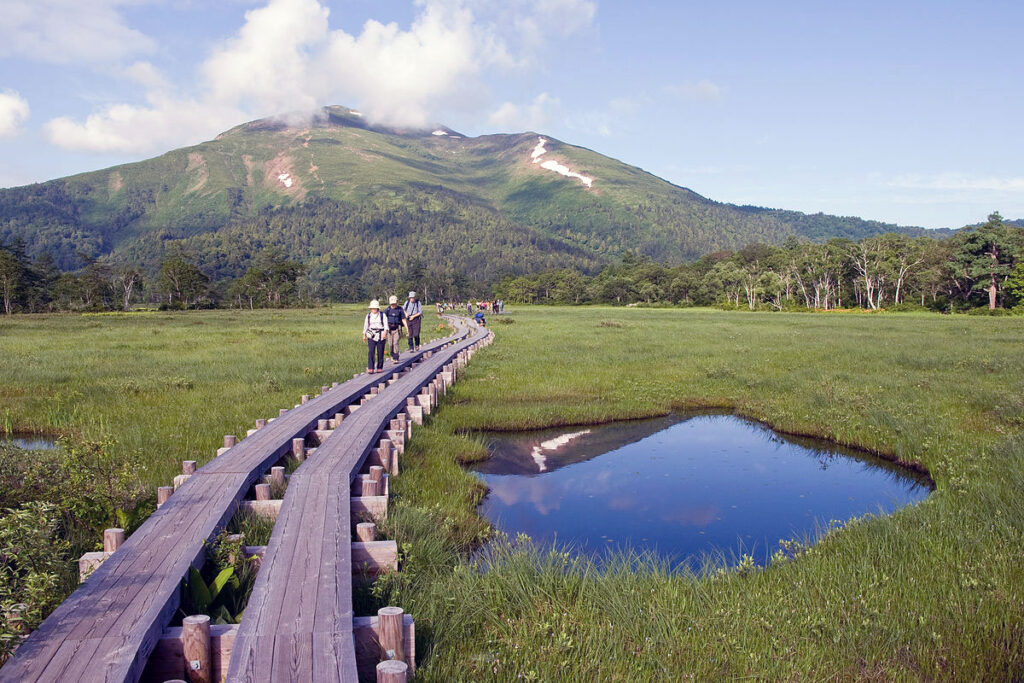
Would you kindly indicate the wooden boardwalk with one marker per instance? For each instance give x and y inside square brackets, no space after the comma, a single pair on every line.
[299,622]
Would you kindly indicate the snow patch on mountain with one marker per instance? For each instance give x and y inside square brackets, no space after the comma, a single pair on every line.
[551,165]
[285,179]
[439,132]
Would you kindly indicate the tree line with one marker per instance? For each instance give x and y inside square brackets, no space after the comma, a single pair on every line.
[979,267]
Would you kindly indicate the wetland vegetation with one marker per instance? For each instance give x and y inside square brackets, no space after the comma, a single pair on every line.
[935,590]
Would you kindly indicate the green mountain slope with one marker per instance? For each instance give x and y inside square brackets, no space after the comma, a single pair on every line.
[351,199]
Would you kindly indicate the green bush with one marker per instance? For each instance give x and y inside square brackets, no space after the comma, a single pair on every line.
[34,573]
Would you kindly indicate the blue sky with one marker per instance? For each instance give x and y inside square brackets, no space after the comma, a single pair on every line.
[906,112]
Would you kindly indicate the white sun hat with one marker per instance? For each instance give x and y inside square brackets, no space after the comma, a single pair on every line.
[392,299]
[374,304]
[412,295]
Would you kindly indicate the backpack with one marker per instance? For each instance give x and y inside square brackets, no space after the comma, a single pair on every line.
[375,332]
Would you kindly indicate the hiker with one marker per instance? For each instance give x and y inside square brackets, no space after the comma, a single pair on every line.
[479,317]
[414,315]
[396,321]
[374,329]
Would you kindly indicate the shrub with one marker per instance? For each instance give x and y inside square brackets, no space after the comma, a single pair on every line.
[33,570]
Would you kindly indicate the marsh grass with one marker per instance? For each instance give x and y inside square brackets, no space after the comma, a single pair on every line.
[933,591]
[255,529]
[167,386]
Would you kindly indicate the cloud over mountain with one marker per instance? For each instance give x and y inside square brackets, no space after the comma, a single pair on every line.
[286,57]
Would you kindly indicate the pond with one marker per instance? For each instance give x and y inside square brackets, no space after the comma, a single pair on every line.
[29,442]
[683,487]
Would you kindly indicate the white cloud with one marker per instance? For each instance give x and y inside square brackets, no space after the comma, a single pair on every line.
[284,58]
[164,122]
[400,77]
[268,63]
[69,31]
[954,182]
[535,20]
[702,91]
[534,116]
[13,112]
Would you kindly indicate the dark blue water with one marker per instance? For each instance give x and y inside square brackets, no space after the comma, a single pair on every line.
[683,487]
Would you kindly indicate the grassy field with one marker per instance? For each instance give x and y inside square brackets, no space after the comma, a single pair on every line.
[167,386]
[934,591]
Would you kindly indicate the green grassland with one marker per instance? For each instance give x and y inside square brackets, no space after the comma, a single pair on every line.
[935,591]
[167,386]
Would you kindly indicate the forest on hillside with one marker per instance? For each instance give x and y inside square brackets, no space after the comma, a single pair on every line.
[274,260]
[978,268]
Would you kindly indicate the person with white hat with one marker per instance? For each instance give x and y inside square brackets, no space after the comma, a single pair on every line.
[414,315]
[396,321]
[374,329]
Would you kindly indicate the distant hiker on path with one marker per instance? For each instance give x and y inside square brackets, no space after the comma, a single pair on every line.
[414,315]
[374,330]
[396,321]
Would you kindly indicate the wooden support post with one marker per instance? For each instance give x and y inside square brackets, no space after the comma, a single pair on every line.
[262,491]
[334,384]
[305,398]
[112,539]
[163,494]
[281,412]
[369,487]
[179,480]
[386,450]
[377,475]
[392,645]
[322,425]
[324,389]
[415,416]
[229,441]
[277,477]
[377,457]
[268,508]
[338,418]
[299,448]
[424,405]
[260,424]
[369,507]
[397,439]
[374,391]
[198,657]
[188,466]
[366,532]
[392,672]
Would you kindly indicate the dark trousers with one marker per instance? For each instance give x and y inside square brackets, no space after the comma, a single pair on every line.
[374,348]
[414,332]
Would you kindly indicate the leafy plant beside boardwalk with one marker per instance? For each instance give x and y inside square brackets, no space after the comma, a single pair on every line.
[934,591]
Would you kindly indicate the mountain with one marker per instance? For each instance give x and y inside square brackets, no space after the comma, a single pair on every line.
[351,199]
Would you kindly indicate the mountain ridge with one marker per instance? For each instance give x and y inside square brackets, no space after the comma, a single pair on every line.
[336,192]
